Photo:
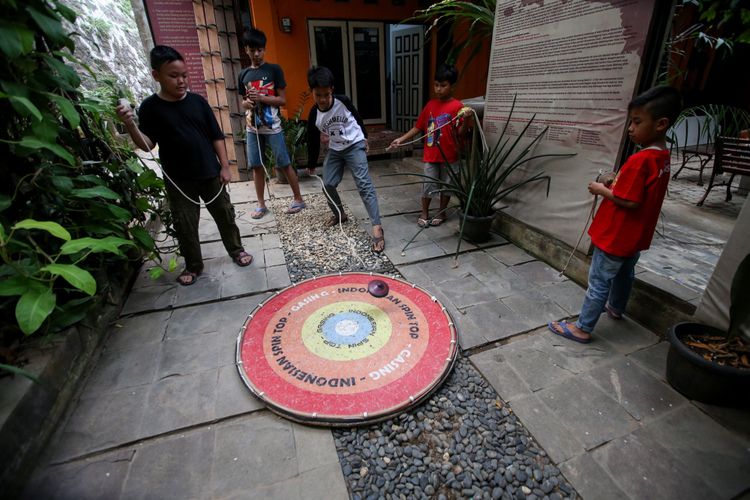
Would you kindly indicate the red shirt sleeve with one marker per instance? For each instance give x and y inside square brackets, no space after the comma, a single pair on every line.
[631,181]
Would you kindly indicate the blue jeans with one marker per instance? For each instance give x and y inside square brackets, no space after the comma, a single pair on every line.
[278,149]
[610,279]
[355,158]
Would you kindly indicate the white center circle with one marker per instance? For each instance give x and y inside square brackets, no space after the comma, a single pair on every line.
[346,327]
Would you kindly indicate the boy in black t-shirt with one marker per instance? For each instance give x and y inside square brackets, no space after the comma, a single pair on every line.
[193,157]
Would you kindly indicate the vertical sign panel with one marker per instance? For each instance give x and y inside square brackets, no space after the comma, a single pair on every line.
[573,65]
[173,23]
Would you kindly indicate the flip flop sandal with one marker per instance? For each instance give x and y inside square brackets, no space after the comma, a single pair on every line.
[566,332]
[436,221]
[295,207]
[259,212]
[193,277]
[238,259]
[376,240]
[423,223]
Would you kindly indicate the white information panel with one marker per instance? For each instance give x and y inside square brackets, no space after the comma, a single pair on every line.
[573,64]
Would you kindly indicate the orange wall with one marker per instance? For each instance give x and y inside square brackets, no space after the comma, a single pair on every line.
[292,51]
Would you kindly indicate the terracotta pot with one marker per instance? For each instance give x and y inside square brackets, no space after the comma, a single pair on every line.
[700,379]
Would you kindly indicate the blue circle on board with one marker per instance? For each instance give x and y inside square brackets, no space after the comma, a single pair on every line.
[347,328]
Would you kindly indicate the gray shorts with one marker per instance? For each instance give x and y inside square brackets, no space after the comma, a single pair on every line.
[438,171]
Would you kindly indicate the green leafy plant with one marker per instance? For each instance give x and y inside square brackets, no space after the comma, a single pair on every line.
[718,119]
[469,23]
[294,129]
[75,201]
[486,176]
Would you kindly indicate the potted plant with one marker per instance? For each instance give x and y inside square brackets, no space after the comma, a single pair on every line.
[709,365]
[294,134]
[485,176]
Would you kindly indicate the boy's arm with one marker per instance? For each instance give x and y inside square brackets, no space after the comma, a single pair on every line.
[597,188]
[221,152]
[272,100]
[404,138]
[127,116]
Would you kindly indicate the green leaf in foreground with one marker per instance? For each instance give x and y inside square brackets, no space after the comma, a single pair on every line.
[79,278]
[52,228]
[33,308]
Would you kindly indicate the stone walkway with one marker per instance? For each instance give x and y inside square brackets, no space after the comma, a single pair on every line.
[164,413]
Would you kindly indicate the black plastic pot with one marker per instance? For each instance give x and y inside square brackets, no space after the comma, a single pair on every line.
[476,229]
[702,380]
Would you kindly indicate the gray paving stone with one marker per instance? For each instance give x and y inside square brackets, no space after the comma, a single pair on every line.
[590,480]
[466,292]
[736,420]
[98,477]
[271,241]
[186,355]
[510,255]
[227,317]
[171,468]
[127,333]
[534,306]
[567,294]
[668,285]
[539,366]
[122,369]
[707,449]
[635,389]
[645,469]
[578,358]
[232,396]
[274,257]
[414,273]
[625,335]
[444,269]
[277,277]
[504,283]
[249,280]
[416,251]
[538,273]
[315,447]
[591,415]
[469,334]
[654,359]
[547,427]
[180,401]
[206,289]
[497,321]
[150,299]
[323,483]
[252,452]
[100,422]
[506,382]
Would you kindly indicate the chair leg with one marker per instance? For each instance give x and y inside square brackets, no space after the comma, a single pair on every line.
[708,189]
[729,188]
[704,162]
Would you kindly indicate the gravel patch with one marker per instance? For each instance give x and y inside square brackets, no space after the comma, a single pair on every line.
[463,442]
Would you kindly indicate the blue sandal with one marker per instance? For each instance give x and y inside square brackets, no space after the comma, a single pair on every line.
[566,332]
[295,207]
[259,212]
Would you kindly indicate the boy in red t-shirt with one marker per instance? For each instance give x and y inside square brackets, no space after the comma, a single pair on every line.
[625,222]
[437,121]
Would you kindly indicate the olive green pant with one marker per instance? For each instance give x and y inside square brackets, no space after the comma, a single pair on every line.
[186,217]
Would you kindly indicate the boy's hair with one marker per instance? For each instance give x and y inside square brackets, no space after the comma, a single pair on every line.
[319,77]
[662,101]
[254,38]
[162,54]
[446,73]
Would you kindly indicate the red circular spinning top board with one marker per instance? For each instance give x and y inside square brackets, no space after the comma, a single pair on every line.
[326,351]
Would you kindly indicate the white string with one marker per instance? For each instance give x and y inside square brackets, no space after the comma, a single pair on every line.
[460,114]
[164,173]
[588,220]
